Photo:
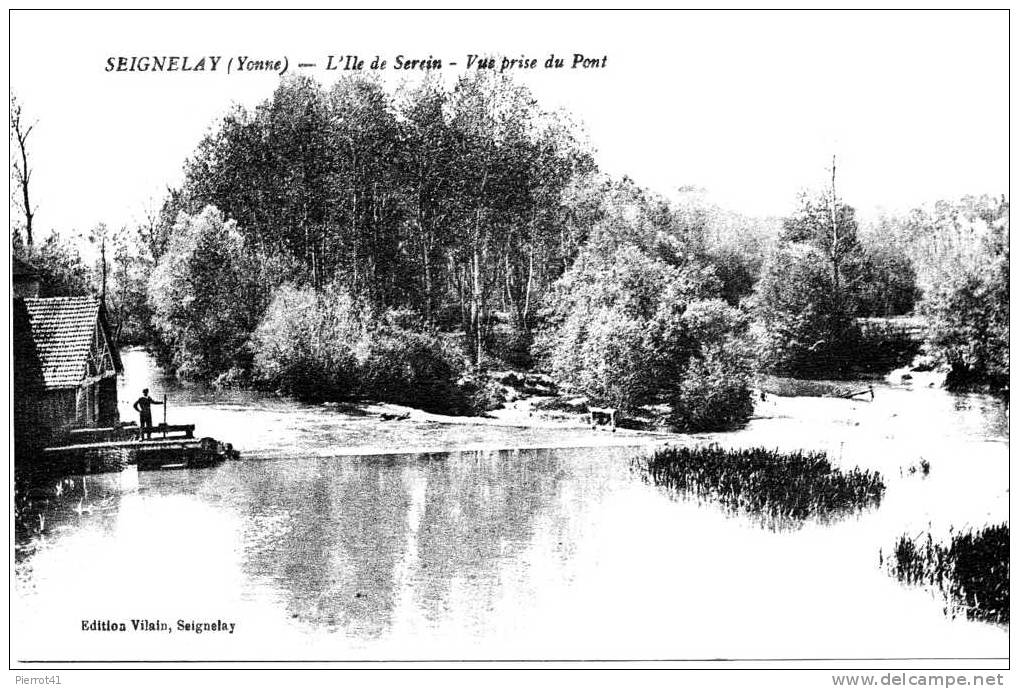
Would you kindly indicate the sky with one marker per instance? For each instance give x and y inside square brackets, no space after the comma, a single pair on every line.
[749,106]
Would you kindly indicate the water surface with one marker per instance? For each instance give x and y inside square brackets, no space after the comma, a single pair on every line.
[317,553]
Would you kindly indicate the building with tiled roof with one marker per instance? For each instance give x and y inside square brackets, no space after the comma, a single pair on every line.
[65,367]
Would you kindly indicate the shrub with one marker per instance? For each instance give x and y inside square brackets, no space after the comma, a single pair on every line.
[304,345]
[885,283]
[596,337]
[319,345]
[610,361]
[416,369]
[805,325]
[713,394]
[482,393]
[509,345]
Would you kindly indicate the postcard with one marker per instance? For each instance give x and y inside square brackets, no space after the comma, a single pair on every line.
[508,338]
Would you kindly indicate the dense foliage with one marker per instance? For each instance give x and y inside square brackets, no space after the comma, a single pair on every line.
[823,275]
[304,345]
[958,252]
[205,297]
[449,203]
[62,273]
[627,329]
[804,302]
[713,393]
[968,308]
[885,282]
[805,321]
[321,345]
[463,211]
[441,231]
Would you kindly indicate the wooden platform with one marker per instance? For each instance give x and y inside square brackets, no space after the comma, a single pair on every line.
[124,444]
[130,431]
[146,454]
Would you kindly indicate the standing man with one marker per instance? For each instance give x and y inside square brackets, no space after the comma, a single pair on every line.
[144,408]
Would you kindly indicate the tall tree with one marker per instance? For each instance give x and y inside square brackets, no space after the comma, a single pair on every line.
[425,165]
[203,296]
[968,304]
[21,129]
[367,204]
[804,299]
[829,225]
[99,238]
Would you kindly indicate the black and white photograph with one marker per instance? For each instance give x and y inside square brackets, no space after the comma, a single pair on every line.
[504,339]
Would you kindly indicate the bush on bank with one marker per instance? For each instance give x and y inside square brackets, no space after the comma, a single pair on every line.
[320,345]
[713,394]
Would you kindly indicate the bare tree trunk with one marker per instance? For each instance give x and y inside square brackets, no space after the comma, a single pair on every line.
[508,302]
[102,258]
[425,236]
[459,275]
[22,172]
[476,289]
[562,247]
[353,238]
[426,276]
[477,300]
[835,259]
[530,285]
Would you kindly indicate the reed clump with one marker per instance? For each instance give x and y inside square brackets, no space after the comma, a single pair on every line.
[970,571]
[782,488]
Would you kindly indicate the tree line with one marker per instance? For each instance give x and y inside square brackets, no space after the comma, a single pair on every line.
[352,241]
[451,205]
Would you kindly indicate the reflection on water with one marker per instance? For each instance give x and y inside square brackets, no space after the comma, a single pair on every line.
[369,530]
[499,554]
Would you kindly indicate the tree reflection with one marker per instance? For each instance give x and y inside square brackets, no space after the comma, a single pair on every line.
[348,540]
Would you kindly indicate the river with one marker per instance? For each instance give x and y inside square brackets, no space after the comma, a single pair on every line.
[340,537]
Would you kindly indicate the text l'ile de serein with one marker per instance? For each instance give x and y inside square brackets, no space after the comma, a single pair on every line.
[348,63]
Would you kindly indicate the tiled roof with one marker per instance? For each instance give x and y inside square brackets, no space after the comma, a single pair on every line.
[62,330]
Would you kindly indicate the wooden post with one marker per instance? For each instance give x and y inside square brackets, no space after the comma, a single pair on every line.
[164,414]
